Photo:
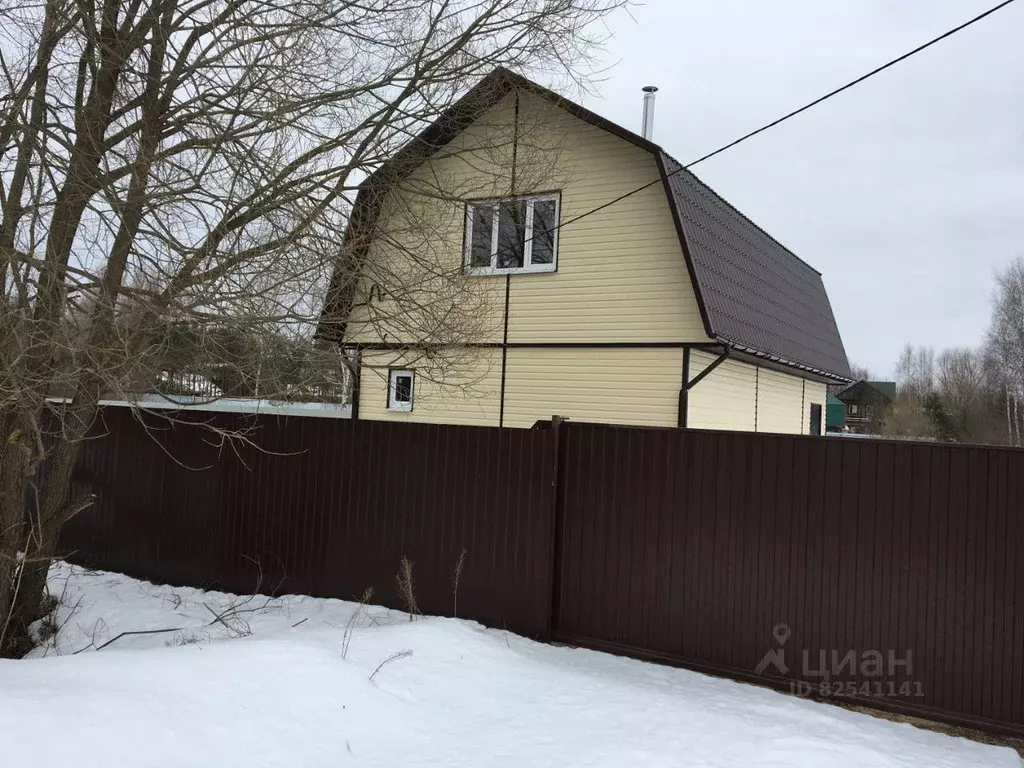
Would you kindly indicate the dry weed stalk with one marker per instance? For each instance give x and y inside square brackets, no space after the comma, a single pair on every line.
[234,616]
[354,620]
[406,589]
[456,577]
[393,657]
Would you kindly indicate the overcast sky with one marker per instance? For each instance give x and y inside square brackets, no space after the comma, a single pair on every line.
[906,192]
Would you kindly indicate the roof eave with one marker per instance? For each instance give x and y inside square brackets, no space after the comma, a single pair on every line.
[834,377]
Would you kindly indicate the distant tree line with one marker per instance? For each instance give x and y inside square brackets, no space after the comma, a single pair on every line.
[964,394]
[207,360]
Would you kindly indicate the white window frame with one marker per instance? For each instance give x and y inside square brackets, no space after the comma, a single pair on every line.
[400,406]
[528,266]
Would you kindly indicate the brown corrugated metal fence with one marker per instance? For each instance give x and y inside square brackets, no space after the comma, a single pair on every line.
[885,570]
[897,561]
[325,507]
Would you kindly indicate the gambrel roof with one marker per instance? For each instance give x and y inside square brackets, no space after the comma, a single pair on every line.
[755,295]
[755,292]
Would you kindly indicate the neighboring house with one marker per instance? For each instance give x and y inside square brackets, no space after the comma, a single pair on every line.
[835,414]
[865,403]
[665,307]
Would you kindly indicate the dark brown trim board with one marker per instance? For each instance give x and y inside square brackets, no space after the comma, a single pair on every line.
[504,351]
[709,345]
[357,383]
[681,234]
[726,352]
[684,392]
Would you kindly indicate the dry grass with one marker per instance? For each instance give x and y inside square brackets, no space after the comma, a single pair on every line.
[48,628]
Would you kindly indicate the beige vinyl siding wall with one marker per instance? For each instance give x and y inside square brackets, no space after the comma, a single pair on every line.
[633,386]
[416,252]
[455,389]
[621,275]
[780,400]
[610,386]
[740,396]
[814,393]
[621,272]
[725,398]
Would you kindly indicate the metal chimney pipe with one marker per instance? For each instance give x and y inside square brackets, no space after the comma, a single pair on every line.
[648,126]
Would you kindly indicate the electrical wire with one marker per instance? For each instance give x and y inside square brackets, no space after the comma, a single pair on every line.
[790,115]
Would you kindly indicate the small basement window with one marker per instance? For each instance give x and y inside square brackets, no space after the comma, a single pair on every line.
[518,234]
[400,389]
[815,419]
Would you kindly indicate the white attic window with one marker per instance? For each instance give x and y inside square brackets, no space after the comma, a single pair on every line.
[512,235]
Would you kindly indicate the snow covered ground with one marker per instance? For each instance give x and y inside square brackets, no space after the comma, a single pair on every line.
[270,684]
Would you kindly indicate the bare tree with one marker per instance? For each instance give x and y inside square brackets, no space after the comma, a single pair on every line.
[1005,344]
[906,417]
[962,387]
[954,396]
[857,373]
[860,372]
[183,169]
[915,371]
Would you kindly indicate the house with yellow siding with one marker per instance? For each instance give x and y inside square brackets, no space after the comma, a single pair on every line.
[524,257]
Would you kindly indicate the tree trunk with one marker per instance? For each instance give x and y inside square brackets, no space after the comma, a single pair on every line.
[27,606]
[15,463]
[32,522]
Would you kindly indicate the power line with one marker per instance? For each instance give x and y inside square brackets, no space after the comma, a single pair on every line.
[792,114]
[852,83]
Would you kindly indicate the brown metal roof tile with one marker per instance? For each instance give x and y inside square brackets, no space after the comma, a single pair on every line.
[756,292]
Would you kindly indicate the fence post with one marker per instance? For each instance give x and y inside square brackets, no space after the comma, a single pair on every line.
[559,428]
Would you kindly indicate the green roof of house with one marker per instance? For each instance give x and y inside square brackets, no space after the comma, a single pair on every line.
[887,388]
[861,391]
